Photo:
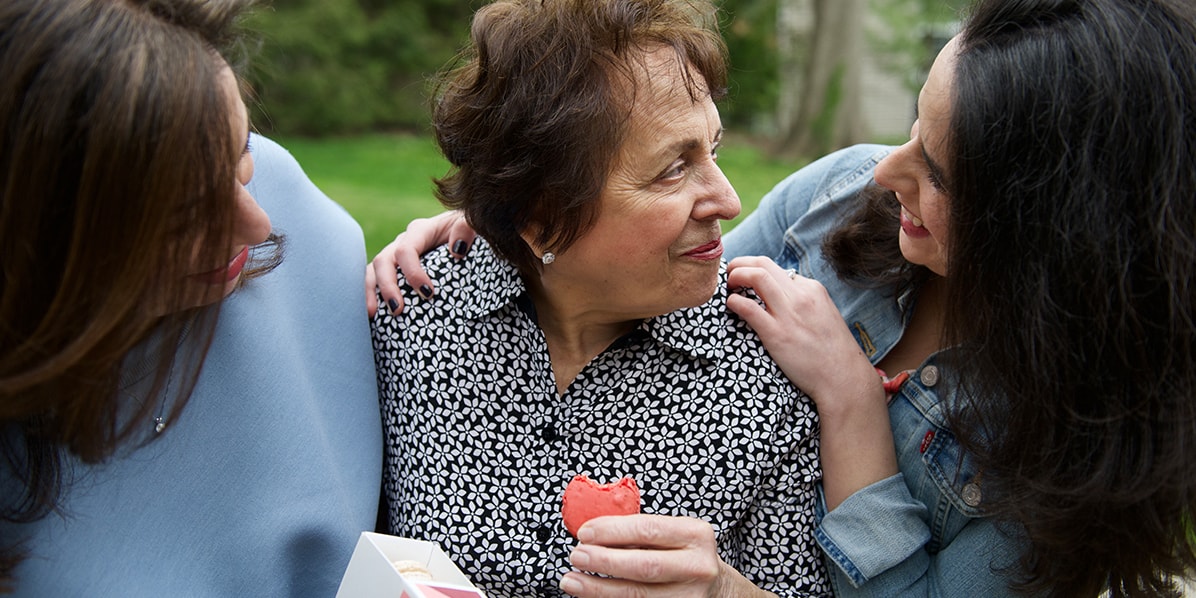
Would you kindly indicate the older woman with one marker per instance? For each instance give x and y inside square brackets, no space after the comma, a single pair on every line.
[1022,267]
[588,331]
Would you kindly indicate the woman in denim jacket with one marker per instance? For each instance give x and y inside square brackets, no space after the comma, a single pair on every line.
[883,539]
[1023,274]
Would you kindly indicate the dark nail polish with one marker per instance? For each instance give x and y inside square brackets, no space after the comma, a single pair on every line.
[460,247]
[425,291]
[394,305]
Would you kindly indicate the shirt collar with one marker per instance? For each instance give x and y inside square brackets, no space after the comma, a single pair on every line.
[700,332]
[493,283]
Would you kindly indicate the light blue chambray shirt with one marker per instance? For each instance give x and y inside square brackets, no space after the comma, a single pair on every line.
[921,532]
[265,482]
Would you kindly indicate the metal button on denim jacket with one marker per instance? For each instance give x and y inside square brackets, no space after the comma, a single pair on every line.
[949,486]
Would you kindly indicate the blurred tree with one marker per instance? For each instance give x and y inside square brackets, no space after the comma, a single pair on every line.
[345,66]
[749,28]
[348,66]
[821,51]
[912,34]
[821,48]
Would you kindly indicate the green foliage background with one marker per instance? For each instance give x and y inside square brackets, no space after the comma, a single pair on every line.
[342,67]
[749,28]
[352,66]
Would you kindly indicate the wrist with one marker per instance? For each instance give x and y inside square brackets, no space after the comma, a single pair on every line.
[861,391]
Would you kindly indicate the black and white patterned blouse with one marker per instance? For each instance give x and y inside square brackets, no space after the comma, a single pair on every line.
[480,447]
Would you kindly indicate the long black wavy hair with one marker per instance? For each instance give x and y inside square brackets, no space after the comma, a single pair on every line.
[1072,283]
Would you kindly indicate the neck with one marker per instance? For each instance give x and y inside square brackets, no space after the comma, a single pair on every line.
[924,335]
[576,333]
[931,306]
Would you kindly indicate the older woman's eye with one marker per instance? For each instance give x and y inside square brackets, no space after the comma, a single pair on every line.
[677,170]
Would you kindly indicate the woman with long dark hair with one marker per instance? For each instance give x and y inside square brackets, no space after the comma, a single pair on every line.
[129,231]
[1023,275]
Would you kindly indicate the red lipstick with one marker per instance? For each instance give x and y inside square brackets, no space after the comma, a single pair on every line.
[709,251]
[228,273]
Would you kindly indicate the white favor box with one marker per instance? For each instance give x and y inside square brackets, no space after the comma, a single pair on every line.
[370,573]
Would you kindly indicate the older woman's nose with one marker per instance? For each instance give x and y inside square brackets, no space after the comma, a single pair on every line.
[719,201]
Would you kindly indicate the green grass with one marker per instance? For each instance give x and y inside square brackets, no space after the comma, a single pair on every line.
[385,180]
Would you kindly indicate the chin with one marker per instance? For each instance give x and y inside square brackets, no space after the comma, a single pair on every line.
[911,254]
[231,286]
[697,292]
[932,261]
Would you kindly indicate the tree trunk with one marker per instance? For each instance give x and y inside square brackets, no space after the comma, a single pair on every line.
[821,45]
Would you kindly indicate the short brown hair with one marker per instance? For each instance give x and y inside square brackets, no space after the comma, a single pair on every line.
[534,112]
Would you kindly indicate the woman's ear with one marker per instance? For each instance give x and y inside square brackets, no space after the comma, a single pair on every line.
[529,235]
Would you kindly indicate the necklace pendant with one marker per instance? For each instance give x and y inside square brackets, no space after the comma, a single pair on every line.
[159,425]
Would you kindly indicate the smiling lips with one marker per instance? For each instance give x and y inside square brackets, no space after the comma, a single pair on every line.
[912,225]
[228,273]
[710,251]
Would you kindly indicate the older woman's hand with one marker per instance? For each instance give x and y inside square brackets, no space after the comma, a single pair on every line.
[651,555]
[422,235]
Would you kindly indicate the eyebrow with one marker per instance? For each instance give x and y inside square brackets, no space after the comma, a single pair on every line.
[688,145]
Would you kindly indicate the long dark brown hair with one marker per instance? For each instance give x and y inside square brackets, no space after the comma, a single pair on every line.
[1072,284]
[116,163]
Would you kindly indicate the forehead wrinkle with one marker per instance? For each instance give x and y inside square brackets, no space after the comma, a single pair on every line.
[693,143]
[660,96]
[655,107]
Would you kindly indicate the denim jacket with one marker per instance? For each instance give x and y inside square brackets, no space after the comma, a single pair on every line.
[921,532]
